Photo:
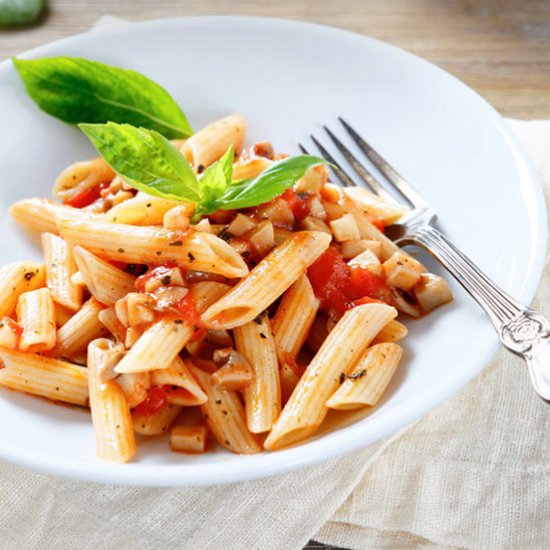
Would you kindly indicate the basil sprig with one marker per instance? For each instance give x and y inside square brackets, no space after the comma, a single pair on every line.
[78,90]
[150,163]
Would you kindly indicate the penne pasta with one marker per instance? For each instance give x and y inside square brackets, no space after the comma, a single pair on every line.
[153,245]
[210,143]
[262,397]
[60,267]
[113,427]
[385,211]
[135,386]
[225,416]
[62,314]
[36,316]
[83,327]
[157,422]
[205,293]
[306,408]
[39,214]
[157,347]
[108,318]
[392,332]
[81,176]
[368,379]
[188,439]
[44,376]
[105,282]
[143,209]
[178,374]
[294,318]
[17,278]
[250,168]
[267,281]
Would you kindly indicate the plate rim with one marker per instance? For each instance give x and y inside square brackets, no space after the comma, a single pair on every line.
[175,475]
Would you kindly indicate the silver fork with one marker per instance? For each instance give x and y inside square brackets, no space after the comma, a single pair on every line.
[522,330]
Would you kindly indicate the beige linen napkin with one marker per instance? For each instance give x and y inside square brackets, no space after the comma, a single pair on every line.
[474,473]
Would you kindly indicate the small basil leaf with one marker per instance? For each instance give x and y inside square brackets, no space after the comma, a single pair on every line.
[145,160]
[79,90]
[217,177]
[269,184]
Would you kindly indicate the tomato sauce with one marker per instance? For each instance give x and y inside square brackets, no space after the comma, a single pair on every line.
[86,197]
[340,287]
[156,273]
[188,313]
[297,203]
[154,402]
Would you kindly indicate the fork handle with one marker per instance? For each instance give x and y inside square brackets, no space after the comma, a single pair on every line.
[522,330]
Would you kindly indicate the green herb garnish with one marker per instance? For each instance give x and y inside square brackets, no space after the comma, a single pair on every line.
[77,90]
[149,162]
[19,12]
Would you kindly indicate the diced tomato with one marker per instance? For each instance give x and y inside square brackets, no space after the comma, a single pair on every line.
[155,401]
[297,203]
[365,283]
[222,216]
[189,314]
[156,273]
[379,224]
[330,278]
[86,197]
[340,288]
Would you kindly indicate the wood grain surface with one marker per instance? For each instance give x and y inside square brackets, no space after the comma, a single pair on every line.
[501,48]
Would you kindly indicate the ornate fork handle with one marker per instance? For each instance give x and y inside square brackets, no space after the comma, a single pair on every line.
[522,330]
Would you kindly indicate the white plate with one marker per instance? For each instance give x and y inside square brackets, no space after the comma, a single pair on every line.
[288,78]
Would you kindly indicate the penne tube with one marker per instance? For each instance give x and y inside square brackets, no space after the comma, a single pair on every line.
[189,439]
[83,327]
[262,397]
[153,245]
[369,203]
[392,332]
[205,293]
[39,214]
[178,374]
[62,314]
[157,422]
[36,316]
[10,333]
[289,380]
[225,416]
[135,386]
[60,267]
[105,282]
[108,318]
[143,209]
[306,408]
[81,176]
[157,347]
[267,281]
[210,143]
[294,318]
[17,278]
[250,168]
[44,376]
[368,379]
[111,417]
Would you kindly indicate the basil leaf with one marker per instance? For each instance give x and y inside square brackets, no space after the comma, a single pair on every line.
[145,160]
[19,12]
[269,184]
[78,90]
[215,181]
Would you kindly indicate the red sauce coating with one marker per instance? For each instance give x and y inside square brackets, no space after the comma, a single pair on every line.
[188,313]
[340,287]
[297,203]
[86,197]
[155,401]
[156,273]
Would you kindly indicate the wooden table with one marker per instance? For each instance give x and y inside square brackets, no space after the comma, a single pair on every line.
[501,48]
